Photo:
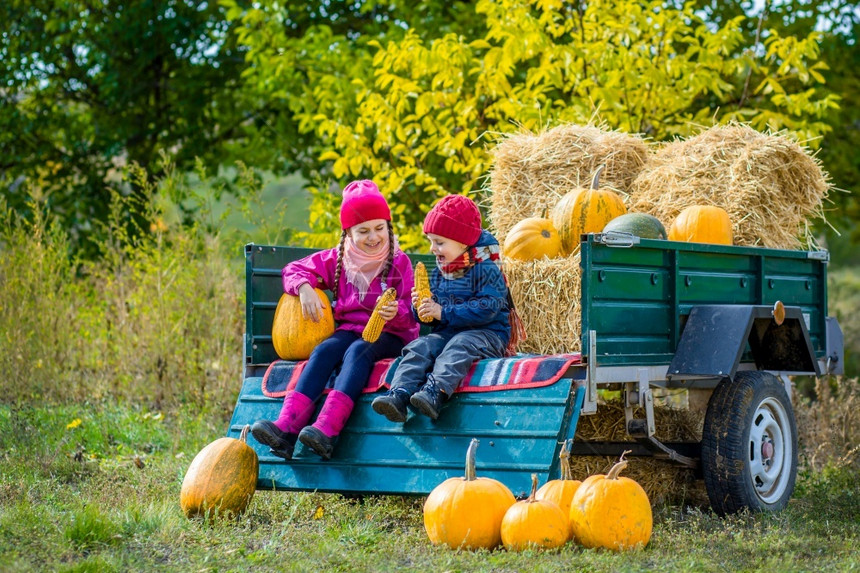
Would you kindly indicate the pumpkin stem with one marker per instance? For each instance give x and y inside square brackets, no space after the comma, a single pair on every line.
[470,460]
[596,180]
[534,488]
[243,435]
[564,459]
[617,468]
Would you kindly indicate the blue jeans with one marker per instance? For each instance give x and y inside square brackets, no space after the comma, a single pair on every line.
[445,358]
[353,354]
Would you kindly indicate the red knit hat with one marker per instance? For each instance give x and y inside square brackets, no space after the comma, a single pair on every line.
[455,217]
[362,202]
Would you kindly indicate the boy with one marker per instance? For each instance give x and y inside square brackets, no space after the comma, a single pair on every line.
[470,310]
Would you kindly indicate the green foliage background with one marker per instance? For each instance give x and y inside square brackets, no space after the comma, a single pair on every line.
[411,94]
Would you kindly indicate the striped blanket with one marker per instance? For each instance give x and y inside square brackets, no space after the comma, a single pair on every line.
[491,374]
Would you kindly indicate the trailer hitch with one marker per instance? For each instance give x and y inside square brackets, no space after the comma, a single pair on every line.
[662,450]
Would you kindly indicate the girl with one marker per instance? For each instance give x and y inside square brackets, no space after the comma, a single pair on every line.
[365,263]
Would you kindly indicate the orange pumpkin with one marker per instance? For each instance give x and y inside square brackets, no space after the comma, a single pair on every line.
[531,239]
[611,511]
[585,211]
[222,478]
[534,522]
[467,512]
[702,224]
[561,491]
[293,335]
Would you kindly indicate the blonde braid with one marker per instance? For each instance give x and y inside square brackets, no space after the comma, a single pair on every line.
[339,267]
[387,268]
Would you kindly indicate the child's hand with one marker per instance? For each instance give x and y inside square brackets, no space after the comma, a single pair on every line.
[388,311]
[311,304]
[430,308]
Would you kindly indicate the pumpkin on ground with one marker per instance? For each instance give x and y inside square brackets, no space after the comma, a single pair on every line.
[702,224]
[534,522]
[222,478]
[531,239]
[293,335]
[585,211]
[611,511]
[561,491]
[467,512]
[640,225]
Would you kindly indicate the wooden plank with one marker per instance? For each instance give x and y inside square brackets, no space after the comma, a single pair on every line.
[519,431]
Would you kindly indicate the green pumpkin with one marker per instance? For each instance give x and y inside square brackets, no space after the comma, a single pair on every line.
[639,224]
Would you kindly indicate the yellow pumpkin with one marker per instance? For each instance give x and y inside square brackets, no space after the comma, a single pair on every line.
[222,478]
[585,211]
[531,239]
[561,491]
[611,511]
[467,512]
[702,224]
[293,335]
[534,522]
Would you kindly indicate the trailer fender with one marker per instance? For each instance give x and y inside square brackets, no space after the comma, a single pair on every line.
[715,337]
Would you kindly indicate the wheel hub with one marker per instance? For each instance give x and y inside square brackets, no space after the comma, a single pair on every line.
[767,451]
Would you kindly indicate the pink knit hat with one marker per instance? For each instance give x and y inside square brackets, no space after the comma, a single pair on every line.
[362,202]
[455,217]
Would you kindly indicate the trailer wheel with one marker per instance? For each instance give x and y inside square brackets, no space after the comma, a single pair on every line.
[749,444]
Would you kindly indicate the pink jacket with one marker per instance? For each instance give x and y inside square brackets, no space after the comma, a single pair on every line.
[350,313]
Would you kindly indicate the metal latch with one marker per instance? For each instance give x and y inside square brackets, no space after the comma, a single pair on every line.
[639,394]
[821,255]
[617,239]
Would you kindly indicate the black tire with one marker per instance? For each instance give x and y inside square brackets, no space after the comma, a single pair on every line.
[749,444]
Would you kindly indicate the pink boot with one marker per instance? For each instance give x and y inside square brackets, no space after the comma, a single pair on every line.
[295,413]
[331,420]
[281,435]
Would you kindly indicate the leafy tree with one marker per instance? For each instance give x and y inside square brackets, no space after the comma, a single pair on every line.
[839,24]
[412,110]
[86,86]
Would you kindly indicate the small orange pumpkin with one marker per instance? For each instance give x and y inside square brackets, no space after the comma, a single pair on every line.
[293,335]
[467,512]
[531,239]
[702,224]
[222,478]
[534,522]
[585,211]
[561,491]
[611,511]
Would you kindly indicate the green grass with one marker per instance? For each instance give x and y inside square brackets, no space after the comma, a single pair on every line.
[72,498]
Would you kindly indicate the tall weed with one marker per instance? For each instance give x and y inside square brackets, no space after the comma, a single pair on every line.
[156,319]
[829,424]
[844,300]
[39,301]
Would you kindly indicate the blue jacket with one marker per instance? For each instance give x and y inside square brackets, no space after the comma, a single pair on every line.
[477,300]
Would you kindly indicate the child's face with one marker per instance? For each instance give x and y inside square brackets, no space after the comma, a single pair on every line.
[445,250]
[371,236]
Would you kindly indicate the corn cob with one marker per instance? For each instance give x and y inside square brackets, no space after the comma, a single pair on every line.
[422,287]
[374,325]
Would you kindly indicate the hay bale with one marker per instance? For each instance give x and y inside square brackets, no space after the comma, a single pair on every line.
[607,424]
[531,172]
[664,482]
[546,294]
[769,185]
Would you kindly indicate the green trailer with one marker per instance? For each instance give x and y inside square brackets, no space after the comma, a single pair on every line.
[729,324]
